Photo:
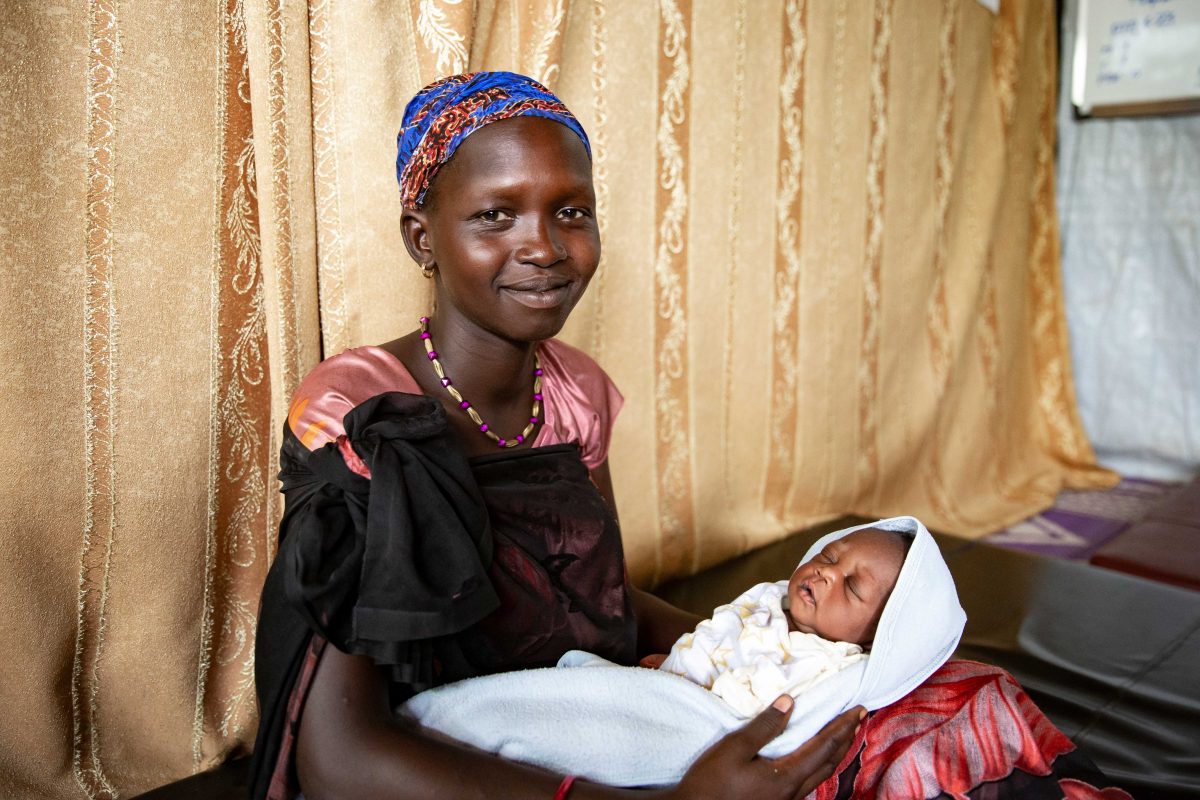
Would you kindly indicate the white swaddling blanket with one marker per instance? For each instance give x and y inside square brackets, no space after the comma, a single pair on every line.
[639,727]
[747,656]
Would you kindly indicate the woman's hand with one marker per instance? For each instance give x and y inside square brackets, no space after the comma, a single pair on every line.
[732,767]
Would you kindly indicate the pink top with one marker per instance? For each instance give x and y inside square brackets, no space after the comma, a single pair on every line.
[580,402]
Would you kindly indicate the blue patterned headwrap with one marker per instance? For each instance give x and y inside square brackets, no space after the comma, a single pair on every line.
[449,110]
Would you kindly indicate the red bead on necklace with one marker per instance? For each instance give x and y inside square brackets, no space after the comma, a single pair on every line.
[470,409]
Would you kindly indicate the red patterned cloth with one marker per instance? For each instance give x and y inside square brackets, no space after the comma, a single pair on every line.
[970,731]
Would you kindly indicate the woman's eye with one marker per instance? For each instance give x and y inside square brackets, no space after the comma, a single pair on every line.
[574,213]
[492,215]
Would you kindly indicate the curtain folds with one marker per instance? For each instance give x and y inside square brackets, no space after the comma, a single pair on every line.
[830,285]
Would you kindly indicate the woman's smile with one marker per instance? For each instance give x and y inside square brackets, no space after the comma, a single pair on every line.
[540,292]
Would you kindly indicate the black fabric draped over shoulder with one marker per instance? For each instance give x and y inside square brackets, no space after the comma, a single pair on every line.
[438,567]
[382,567]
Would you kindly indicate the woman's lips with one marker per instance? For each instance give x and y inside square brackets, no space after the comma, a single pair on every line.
[539,294]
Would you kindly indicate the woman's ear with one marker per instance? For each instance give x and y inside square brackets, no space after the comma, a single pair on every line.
[414,227]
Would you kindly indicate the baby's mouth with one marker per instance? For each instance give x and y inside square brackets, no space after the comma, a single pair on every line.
[806,594]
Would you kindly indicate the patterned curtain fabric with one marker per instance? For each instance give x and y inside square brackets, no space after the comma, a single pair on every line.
[830,285]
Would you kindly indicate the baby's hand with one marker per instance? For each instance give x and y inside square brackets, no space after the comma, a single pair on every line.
[653,661]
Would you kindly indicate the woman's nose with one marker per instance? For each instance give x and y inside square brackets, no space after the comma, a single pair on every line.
[541,245]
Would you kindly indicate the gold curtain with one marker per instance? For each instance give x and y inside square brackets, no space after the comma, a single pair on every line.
[830,285]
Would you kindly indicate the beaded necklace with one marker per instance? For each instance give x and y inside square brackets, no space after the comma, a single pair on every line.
[467,407]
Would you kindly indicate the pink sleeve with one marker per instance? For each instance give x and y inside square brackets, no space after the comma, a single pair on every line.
[337,385]
[582,402]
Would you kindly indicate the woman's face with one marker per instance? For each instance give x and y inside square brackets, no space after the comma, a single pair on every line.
[510,225]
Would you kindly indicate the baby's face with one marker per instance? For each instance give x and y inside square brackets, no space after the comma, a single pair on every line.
[839,594]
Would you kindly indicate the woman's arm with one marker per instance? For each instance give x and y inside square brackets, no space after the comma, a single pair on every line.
[350,745]
[659,622]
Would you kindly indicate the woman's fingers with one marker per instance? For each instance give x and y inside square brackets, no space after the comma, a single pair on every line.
[768,725]
[770,722]
[654,661]
[815,760]
[733,768]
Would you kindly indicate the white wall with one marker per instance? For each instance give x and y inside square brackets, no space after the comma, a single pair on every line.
[1129,205]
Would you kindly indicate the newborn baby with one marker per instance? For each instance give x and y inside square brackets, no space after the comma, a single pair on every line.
[789,635]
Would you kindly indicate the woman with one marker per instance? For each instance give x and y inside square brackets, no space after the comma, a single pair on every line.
[449,508]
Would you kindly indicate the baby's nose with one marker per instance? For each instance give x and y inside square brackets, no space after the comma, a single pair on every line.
[831,572]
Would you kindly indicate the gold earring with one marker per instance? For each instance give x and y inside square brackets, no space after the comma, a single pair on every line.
[427,270]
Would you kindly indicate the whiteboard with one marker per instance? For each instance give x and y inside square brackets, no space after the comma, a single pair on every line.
[1136,56]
